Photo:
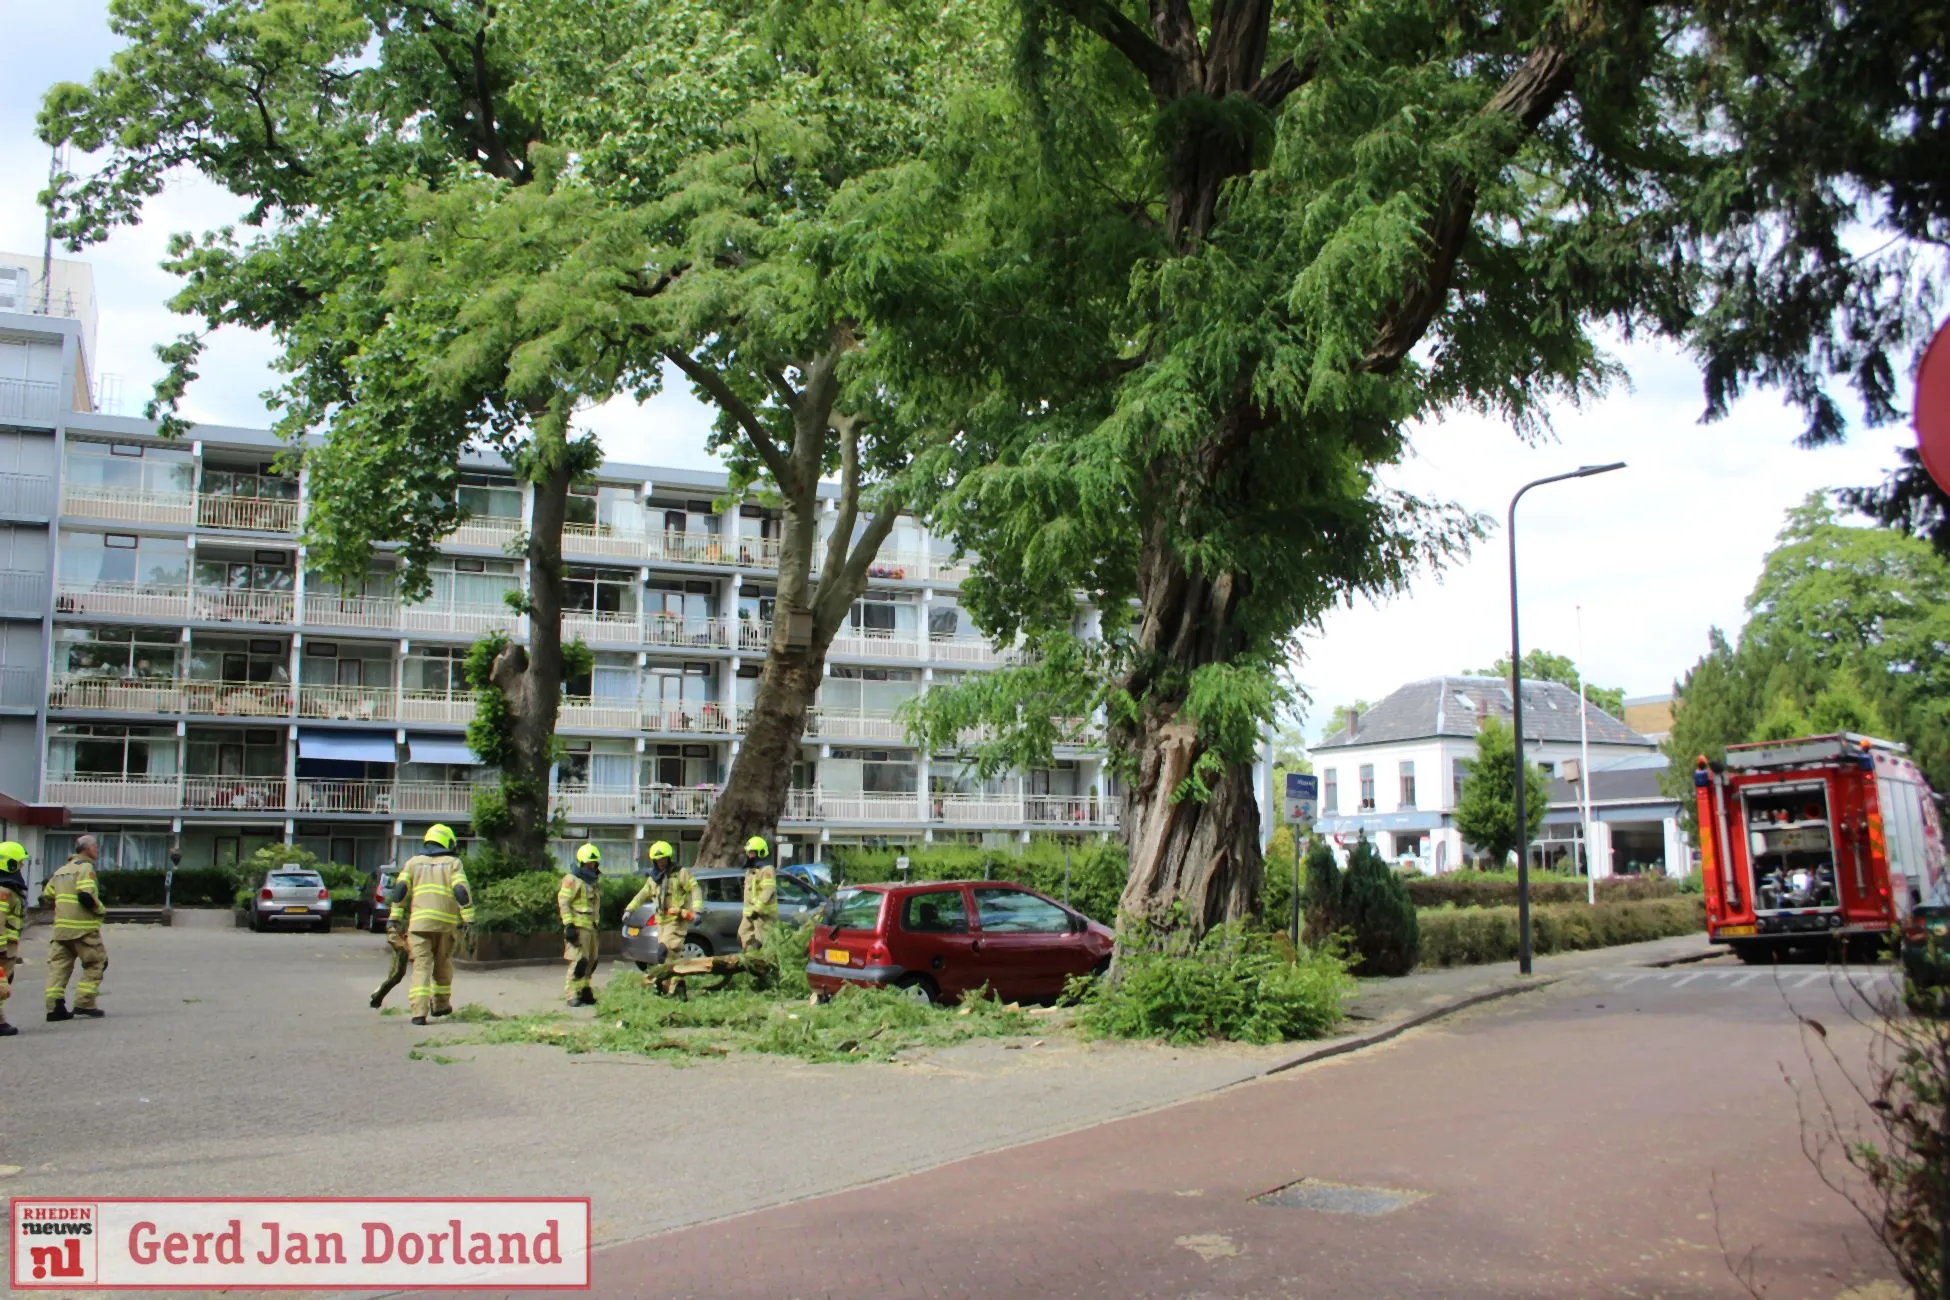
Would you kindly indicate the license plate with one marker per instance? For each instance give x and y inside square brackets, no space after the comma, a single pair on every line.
[634,930]
[838,956]
[1734,931]
[1938,927]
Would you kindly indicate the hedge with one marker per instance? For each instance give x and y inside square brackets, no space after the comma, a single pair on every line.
[525,903]
[1464,936]
[1499,889]
[1097,869]
[194,887]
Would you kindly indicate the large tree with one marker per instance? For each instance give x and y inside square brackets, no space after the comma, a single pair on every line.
[1313,225]
[1486,814]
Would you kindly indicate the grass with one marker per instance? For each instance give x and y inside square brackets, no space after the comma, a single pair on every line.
[859,1024]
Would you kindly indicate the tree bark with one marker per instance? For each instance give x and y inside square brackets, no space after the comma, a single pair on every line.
[531,676]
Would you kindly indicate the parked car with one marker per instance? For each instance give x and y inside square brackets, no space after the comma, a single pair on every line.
[722,906]
[375,901]
[938,940]
[292,897]
[822,876]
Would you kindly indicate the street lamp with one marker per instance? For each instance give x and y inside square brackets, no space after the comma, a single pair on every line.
[1516,712]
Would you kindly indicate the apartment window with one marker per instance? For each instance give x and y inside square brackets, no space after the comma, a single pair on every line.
[257,751]
[260,484]
[124,559]
[1064,780]
[669,685]
[439,670]
[610,507]
[612,679]
[1330,791]
[870,771]
[679,766]
[104,750]
[1367,787]
[694,517]
[336,663]
[145,654]
[887,613]
[233,659]
[756,604]
[1408,785]
[682,607]
[462,583]
[602,591]
[377,585]
[485,497]
[264,571]
[598,765]
[1458,773]
[869,690]
[131,466]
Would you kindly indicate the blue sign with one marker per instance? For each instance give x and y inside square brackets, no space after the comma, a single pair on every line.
[1302,797]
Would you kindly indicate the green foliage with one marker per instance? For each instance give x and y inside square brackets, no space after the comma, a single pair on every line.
[192,887]
[1377,915]
[523,902]
[1277,882]
[249,873]
[1466,936]
[1543,666]
[1235,983]
[1486,814]
[1322,904]
[1097,869]
[1499,889]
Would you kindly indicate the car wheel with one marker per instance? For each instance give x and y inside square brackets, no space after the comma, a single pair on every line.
[1754,954]
[918,988]
[325,926]
[644,965]
[257,921]
[695,948]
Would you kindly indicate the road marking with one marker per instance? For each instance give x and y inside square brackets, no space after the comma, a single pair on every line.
[1690,976]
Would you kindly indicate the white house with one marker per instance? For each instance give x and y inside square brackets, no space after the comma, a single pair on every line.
[1396,770]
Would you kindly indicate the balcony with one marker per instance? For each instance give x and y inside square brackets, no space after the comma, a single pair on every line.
[374,797]
[679,632]
[585,714]
[364,613]
[759,553]
[26,496]
[826,806]
[489,532]
[599,626]
[861,724]
[604,542]
[675,803]
[90,694]
[1057,812]
[124,599]
[577,803]
[705,718]
[876,643]
[454,707]
[248,514]
[237,699]
[28,401]
[469,621]
[124,505]
[947,571]
[148,792]
[697,548]
[348,703]
[23,593]
[967,650]
[897,566]
[437,798]
[234,793]
[217,605]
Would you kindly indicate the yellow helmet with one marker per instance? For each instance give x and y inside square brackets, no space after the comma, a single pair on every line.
[441,834]
[589,853]
[661,849]
[756,844]
[13,851]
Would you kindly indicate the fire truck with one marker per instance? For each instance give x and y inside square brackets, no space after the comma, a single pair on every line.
[1817,842]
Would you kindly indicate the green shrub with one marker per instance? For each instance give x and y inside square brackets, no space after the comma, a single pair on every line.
[1236,983]
[197,887]
[1323,896]
[1499,889]
[1377,913]
[1465,936]
[1097,869]
[1276,881]
[521,904]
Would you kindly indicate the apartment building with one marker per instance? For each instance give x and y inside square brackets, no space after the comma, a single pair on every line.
[172,673]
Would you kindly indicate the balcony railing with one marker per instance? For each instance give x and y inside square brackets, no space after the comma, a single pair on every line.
[23,592]
[585,714]
[689,633]
[864,724]
[487,531]
[29,401]
[459,620]
[436,706]
[234,793]
[26,496]
[943,569]
[238,699]
[114,791]
[692,548]
[216,605]
[20,687]
[348,703]
[371,613]
[1082,811]
[603,541]
[575,803]
[758,552]
[965,650]
[676,803]
[127,599]
[248,514]
[897,566]
[128,505]
[876,643]
[436,797]
[830,807]
[705,718]
[115,694]
[317,796]
[600,626]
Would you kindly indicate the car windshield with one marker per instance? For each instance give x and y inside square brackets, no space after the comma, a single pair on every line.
[294,880]
[857,909]
[1009,911]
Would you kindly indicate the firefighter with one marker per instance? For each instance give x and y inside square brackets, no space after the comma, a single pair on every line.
[661,857]
[675,896]
[13,913]
[78,912]
[397,955]
[580,903]
[431,897]
[761,896]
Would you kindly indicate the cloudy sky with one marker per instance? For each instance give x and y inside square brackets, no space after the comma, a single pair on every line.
[1654,554]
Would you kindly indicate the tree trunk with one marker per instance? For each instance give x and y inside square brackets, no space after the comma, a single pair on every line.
[754,796]
[531,678]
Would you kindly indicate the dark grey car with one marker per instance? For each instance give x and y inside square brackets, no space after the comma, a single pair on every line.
[722,906]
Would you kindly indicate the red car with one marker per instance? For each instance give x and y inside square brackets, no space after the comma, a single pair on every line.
[936,941]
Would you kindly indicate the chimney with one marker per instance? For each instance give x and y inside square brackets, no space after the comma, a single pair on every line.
[1353,723]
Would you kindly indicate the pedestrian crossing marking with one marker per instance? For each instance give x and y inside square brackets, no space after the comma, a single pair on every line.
[1741,976]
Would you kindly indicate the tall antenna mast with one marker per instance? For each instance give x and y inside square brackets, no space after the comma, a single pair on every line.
[47,234]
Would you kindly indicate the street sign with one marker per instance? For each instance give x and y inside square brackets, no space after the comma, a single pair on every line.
[1302,797]
[902,864]
[1933,408]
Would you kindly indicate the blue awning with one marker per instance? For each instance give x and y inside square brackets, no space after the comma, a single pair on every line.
[439,749]
[347,746]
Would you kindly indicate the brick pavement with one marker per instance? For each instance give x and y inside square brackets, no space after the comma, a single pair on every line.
[1569,1143]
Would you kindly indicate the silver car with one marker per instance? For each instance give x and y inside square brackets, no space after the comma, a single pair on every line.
[292,897]
[721,907]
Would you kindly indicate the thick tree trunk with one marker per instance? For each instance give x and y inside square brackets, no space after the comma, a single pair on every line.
[531,677]
[1202,855]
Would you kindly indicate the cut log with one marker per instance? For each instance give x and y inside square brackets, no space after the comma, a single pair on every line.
[726,965]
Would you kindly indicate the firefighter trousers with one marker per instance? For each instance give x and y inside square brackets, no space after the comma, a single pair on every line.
[581,956]
[396,950]
[432,990]
[63,955]
[754,930]
[9,958]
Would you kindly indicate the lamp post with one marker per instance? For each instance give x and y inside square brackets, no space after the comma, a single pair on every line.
[1516,712]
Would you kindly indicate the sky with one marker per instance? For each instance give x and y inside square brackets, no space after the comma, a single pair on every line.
[1654,554]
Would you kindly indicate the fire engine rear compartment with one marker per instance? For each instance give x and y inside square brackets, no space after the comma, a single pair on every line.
[1791,849]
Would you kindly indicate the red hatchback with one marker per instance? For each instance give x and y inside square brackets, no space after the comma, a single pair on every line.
[938,940]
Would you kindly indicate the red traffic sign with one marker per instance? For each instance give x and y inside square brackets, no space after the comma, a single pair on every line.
[1933,407]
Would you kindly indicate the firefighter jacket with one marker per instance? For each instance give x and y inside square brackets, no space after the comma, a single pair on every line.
[677,901]
[77,900]
[431,894]
[13,909]
[579,901]
[762,893]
